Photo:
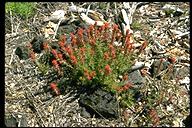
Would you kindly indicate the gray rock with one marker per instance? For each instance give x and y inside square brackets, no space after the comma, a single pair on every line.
[84,113]
[100,103]
[183,72]
[11,122]
[136,78]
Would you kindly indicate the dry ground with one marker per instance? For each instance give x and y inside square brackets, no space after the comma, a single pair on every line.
[24,94]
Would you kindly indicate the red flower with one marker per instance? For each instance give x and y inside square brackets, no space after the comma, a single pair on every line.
[92,41]
[91,27]
[115,28]
[127,86]
[80,33]
[54,52]
[88,34]
[60,56]
[86,73]
[73,59]
[73,39]
[119,89]
[54,87]
[61,44]
[55,64]
[107,69]
[68,50]
[111,47]
[113,53]
[106,56]
[106,25]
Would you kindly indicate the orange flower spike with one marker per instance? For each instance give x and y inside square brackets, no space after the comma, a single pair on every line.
[54,87]
[69,50]
[111,47]
[73,59]
[115,27]
[106,56]
[55,64]
[107,69]
[73,39]
[106,25]
[154,117]
[91,28]
[54,52]
[101,28]
[60,56]
[61,44]
[89,77]
[88,34]
[86,73]
[80,35]
[113,53]
[127,86]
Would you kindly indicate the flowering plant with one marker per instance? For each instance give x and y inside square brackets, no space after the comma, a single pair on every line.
[97,55]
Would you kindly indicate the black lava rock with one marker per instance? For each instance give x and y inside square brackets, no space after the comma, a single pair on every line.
[37,44]
[22,53]
[100,103]
[187,121]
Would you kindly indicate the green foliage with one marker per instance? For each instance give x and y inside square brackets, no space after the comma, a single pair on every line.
[95,59]
[136,25]
[23,9]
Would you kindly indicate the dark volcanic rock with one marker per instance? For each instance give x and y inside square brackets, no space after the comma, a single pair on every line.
[22,53]
[37,44]
[101,103]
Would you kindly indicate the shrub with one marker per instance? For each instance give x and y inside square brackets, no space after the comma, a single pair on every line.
[94,57]
[23,9]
